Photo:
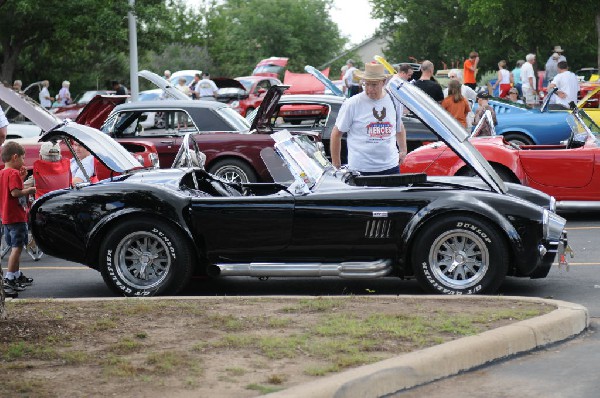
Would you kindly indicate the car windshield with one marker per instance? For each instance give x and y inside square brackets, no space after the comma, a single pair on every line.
[303,159]
[582,126]
[234,119]
[246,83]
[87,97]
[149,96]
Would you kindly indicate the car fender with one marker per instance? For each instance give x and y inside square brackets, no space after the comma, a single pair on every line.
[498,154]
[443,207]
[99,230]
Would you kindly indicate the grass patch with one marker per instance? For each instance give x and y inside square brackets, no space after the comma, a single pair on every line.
[263,389]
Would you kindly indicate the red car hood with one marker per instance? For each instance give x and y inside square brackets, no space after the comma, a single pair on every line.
[304,83]
[96,111]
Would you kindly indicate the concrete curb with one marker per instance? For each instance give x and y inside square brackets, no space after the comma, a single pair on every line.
[413,369]
[416,368]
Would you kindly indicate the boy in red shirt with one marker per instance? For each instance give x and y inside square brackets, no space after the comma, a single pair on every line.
[13,211]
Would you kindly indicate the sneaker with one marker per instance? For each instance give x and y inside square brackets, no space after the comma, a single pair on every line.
[13,284]
[24,281]
[10,292]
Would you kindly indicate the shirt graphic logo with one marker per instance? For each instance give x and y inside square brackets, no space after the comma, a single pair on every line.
[380,130]
[379,115]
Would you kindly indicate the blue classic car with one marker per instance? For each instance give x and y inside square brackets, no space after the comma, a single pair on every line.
[523,125]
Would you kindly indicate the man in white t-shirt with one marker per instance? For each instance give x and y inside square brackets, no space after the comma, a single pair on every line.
[352,87]
[529,81]
[372,121]
[567,84]
[206,89]
[45,98]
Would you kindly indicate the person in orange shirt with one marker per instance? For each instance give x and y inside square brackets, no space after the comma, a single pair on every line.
[455,103]
[469,69]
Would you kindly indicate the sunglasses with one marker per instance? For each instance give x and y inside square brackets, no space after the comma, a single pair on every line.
[513,92]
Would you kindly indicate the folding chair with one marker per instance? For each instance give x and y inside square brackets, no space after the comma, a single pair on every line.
[48,176]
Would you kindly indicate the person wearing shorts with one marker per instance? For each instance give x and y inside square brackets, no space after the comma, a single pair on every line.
[13,204]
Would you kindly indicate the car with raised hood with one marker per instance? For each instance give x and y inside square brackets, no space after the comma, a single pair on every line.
[570,171]
[148,231]
[245,93]
[232,145]
[71,111]
[94,113]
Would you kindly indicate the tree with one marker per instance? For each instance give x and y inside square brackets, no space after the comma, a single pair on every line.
[57,39]
[447,30]
[242,32]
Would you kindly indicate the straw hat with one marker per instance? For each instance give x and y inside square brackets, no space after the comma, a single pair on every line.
[558,49]
[371,72]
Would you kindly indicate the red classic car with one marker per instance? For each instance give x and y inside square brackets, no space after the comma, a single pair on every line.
[244,94]
[271,67]
[92,115]
[71,111]
[570,172]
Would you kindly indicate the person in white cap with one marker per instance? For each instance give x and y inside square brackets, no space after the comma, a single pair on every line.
[372,122]
[560,51]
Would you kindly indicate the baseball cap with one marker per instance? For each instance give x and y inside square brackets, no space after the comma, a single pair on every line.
[483,95]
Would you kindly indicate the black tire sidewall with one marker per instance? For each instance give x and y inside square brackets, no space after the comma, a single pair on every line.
[250,175]
[494,241]
[179,272]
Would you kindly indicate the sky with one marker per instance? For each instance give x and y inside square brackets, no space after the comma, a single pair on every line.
[352,16]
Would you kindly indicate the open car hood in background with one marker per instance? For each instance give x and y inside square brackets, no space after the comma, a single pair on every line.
[226,82]
[108,151]
[164,85]
[442,124]
[29,108]
[266,110]
[95,112]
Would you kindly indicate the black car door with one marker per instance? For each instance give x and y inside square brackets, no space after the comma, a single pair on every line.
[244,227]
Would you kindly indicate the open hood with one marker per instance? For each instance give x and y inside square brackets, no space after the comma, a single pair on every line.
[270,67]
[442,124]
[265,111]
[230,89]
[95,112]
[108,151]
[227,82]
[33,111]
[164,85]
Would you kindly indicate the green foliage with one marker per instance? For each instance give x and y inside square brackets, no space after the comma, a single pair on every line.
[242,32]
[445,31]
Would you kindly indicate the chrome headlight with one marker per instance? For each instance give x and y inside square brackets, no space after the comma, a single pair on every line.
[553,225]
[552,205]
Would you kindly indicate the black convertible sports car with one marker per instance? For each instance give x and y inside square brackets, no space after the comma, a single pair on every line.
[148,231]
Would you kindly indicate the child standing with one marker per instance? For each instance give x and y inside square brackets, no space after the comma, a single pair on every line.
[13,201]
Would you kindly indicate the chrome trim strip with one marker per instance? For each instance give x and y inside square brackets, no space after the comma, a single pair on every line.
[350,269]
